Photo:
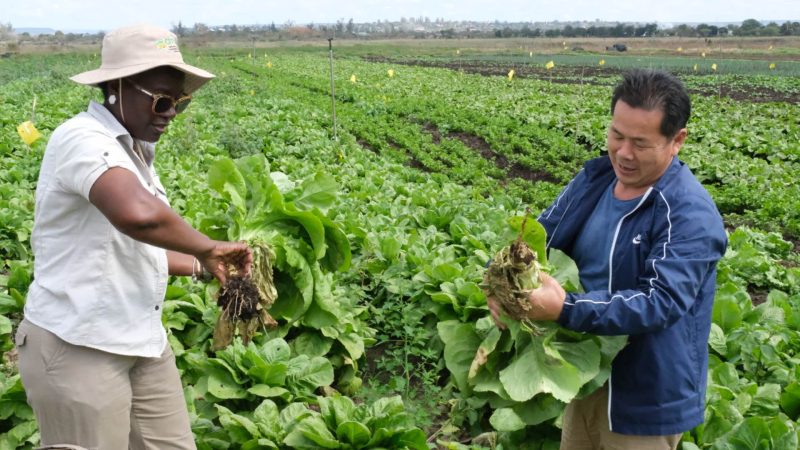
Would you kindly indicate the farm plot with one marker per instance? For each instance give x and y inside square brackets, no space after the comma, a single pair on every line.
[428,173]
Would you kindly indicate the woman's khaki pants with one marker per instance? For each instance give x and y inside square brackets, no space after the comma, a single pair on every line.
[88,398]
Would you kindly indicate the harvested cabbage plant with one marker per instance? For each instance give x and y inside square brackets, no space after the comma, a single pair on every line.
[512,274]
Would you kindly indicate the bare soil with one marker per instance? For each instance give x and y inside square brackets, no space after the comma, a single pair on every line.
[480,146]
[588,75]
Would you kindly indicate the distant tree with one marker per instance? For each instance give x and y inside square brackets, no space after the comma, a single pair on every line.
[629,30]
[179,29]
[750,27]
[594,31]
[684,30]
[350,26]
[200,28]
[790,29]
[448,33]
[703,30]
[772,29]
[6,31]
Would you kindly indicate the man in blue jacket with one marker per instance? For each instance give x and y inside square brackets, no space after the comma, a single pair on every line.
[646,237]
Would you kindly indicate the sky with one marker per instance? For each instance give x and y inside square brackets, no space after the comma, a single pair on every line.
[96,15]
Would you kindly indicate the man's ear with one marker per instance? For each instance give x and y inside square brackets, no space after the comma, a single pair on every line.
[678,140]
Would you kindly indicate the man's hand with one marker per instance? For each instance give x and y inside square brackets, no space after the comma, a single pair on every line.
[497,310]
[547,300]
[225,254]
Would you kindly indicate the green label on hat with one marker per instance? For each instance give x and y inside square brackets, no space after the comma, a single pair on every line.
[167,43]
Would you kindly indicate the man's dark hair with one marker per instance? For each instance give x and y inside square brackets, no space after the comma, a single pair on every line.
[655,89]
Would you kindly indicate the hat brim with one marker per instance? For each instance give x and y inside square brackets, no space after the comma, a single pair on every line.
[195,77]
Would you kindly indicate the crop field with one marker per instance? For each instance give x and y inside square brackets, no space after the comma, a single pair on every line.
[433,159]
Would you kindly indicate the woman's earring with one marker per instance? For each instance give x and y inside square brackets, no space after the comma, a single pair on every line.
[112,99]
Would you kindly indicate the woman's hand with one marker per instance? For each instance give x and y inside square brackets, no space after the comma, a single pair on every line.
[224,255]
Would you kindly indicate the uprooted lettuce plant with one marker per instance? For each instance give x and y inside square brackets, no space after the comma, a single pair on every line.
[297,248]
[512,274]
[523,376]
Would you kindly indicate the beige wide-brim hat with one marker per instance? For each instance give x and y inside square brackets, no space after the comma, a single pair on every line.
[135,49]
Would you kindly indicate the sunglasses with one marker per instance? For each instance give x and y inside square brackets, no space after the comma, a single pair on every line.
[162,103]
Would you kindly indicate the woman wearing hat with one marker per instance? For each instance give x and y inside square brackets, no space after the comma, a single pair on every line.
[93,354]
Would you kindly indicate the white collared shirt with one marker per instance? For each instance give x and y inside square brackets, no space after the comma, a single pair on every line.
[94,286]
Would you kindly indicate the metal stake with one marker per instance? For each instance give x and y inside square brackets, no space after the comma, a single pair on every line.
[333,89]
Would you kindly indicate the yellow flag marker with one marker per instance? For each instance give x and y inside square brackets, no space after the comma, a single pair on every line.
[695,67]
[549,65]
[772,66]
[28,132]
[353,78]
[680,49]
[703,54]
[714,67]
[602,62]
[770,47]
[530,54]
[511,74]
[458,52]
[269,64]
[390,72]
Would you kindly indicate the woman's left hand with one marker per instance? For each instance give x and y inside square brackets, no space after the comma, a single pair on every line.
[224,255]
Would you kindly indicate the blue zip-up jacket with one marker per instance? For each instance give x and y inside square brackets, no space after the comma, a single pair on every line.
[661,281]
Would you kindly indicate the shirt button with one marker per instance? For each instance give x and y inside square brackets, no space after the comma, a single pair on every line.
[105,154]
[156,307]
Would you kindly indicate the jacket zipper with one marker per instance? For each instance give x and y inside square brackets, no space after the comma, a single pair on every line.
[610,279]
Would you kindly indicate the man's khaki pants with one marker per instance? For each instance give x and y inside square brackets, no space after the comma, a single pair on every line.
[586,428]
[88,398]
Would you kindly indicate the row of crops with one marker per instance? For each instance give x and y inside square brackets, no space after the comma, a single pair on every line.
[378,329]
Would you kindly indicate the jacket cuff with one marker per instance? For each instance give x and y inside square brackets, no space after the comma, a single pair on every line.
[566,310]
